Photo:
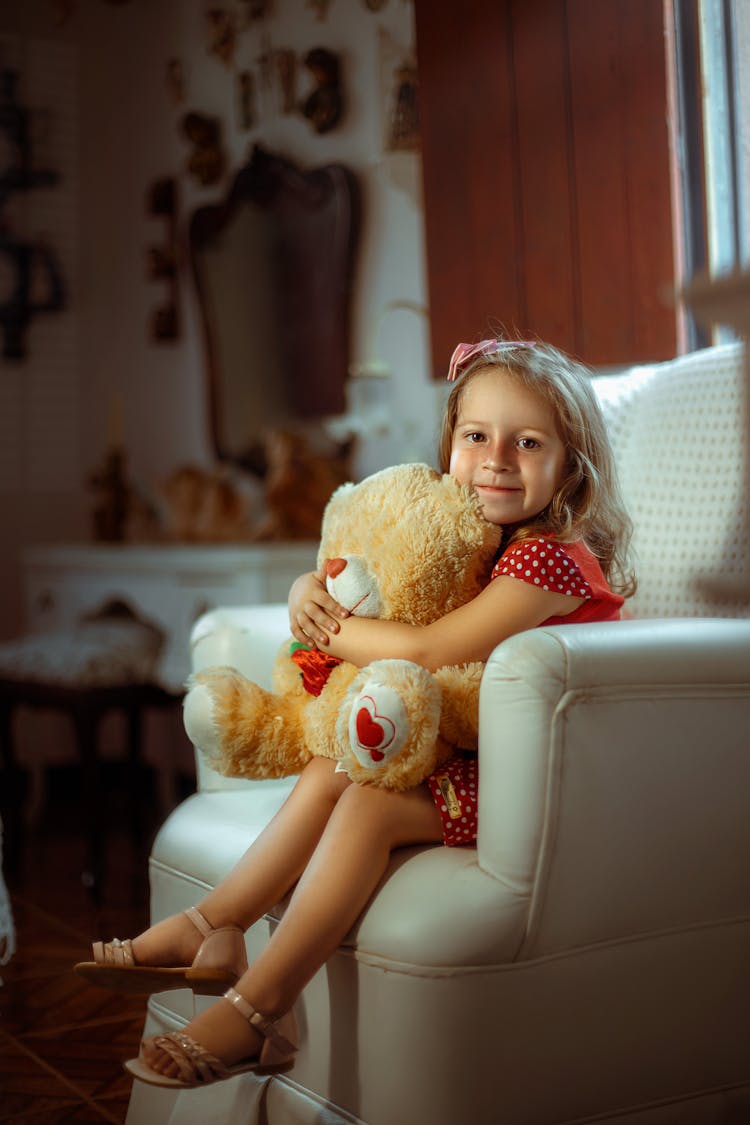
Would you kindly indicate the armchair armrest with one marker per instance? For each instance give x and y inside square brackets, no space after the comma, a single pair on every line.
[615,768]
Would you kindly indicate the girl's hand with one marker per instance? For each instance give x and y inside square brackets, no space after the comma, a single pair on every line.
[312,610]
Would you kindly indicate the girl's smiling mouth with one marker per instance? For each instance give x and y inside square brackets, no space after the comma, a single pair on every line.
[497,488]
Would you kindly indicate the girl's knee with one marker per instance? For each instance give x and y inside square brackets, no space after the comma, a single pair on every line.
[368,803]
[397,819]
[320,774]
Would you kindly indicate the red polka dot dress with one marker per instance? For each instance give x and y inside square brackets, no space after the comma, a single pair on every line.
[563,568]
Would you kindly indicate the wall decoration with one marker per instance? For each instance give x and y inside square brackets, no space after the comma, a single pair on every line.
[325,105]
[15,122]
[222,33]
[403,116]
[162,259]
[35,269]
[246,113]
[36,284]
[207,161]
[252,10]
[286,69]
[175,78]
[399,92]
[320,7]
[265,62]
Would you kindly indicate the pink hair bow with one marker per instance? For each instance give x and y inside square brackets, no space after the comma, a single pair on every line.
[465,353]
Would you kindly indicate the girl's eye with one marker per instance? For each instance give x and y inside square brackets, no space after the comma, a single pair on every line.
[528,443]
[475,437]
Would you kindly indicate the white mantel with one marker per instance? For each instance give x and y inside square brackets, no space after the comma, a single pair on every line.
[170,586]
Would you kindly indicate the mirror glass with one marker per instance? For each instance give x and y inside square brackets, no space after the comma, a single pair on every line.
[273,267]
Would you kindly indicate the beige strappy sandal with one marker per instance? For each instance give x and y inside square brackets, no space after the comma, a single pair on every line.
[219,962]
[198,1067]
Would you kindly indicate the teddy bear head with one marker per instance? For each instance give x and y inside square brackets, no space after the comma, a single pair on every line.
[407,543]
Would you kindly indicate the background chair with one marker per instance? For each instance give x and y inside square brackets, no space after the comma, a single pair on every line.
[588,960]
[105,663]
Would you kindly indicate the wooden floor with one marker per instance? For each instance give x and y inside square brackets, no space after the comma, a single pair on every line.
[62,1042]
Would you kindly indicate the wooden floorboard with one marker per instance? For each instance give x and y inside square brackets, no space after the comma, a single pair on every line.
[62,1041]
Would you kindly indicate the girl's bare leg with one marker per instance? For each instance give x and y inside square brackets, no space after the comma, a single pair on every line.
[262,876]
[343,871]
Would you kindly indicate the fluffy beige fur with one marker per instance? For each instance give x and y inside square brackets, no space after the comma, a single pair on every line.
[420,547]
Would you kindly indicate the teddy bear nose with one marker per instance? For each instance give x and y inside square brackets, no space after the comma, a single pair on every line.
[334,567]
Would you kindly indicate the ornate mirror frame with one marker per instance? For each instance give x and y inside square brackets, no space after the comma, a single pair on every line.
[273,266]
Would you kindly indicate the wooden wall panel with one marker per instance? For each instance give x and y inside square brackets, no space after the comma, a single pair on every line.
[546,174]
[598,102]
[549,305]
[471,215]
[649,160]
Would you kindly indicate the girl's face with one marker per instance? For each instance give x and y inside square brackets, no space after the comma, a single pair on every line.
[506,444]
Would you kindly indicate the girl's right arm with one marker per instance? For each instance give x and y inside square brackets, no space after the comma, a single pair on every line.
[506,606]
[313,612]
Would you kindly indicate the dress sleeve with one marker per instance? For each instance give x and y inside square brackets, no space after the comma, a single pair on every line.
[545,564]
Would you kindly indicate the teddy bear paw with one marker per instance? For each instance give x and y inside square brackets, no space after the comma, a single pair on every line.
[378,726]
[387,725]
[199,720]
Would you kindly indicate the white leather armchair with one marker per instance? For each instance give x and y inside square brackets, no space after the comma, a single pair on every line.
[589,960]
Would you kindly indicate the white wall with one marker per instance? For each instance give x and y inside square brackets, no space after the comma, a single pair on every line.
[129,136]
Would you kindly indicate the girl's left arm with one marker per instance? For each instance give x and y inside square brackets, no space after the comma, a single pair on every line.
[506,606]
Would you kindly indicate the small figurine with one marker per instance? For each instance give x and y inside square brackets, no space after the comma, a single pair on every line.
[298,484]
[110,484]
[205,506]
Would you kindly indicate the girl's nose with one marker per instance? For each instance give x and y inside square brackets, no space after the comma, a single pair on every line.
[496,457]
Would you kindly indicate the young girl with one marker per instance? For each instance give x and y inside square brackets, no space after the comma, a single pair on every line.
[523,427]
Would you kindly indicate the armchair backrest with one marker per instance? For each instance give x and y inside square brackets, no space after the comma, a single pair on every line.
[678,433]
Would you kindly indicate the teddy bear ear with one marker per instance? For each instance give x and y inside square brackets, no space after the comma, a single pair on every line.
[339,499]
[341,492]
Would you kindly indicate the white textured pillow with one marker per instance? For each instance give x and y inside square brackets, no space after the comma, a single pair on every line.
[677,429]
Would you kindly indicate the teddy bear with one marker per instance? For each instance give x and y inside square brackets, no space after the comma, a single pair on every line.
[406,544]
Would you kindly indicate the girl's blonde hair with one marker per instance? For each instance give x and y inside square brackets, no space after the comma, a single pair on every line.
[587,504]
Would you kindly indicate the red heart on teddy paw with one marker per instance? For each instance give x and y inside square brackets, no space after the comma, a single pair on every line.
[375,732]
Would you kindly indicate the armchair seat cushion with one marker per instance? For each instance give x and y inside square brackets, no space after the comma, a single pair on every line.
[442,883]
